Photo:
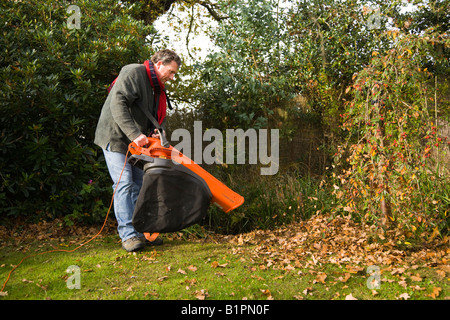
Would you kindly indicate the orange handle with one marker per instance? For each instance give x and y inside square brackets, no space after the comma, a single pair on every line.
[151,237]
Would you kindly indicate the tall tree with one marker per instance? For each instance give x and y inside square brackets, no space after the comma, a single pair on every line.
[245,80]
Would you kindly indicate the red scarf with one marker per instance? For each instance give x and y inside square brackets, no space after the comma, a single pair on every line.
[158,89]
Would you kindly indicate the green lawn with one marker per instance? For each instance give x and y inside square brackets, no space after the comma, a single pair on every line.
[201,270]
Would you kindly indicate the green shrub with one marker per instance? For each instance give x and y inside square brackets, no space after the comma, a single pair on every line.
[53,82]
[270,201]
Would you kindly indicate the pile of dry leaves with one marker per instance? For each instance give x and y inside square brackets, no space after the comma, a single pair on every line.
[353,247]
[340,241]
[318,240]
[20,231]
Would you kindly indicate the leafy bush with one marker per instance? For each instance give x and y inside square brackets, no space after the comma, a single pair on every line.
[53,82]
[389,174]
[270,201]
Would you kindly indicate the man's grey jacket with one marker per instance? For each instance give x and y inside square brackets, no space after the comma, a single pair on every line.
[122,119]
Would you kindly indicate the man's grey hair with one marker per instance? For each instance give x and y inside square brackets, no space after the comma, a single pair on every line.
[166,56]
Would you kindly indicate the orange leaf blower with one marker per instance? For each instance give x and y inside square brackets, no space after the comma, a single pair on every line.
[170,159]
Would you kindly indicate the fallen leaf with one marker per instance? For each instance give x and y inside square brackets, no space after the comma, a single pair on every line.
[153,293]
[215,264]
[42,287]
[350,297]
[190,281]
[403,283]
[192,268]
[435,293]
[345,278]
[267,293]
[321,277]
[289,268]
[445,268]
[353,269]
[404,296]
[416,277]
[416,287]
[440,273]
[201,295]
[181,271]
[398,270]
[307,291]
[240,240]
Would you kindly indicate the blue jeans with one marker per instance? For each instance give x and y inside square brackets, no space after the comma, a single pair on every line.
[127,192]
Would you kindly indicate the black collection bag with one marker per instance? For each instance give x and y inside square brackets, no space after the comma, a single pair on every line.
[172,197]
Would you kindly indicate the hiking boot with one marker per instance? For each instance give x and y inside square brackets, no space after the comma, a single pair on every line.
[133,244]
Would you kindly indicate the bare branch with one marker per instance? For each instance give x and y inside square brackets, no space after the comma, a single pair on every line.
[211,10]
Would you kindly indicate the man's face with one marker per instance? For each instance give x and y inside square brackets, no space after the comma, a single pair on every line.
[166,72]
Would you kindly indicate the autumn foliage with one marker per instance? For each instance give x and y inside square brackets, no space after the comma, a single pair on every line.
[392,173]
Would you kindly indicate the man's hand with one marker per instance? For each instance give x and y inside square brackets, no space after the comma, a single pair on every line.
[156,134]
[141,140]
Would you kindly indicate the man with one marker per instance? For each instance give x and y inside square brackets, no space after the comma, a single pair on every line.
[123,120]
